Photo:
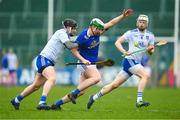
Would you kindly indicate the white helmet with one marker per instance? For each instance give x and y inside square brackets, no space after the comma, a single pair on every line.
[97,23]
[143,17]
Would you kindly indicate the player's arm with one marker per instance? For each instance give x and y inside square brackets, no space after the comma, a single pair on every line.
[76,53]
[150,48]
[73,47]
[117,19]
[70,45]
[119,46]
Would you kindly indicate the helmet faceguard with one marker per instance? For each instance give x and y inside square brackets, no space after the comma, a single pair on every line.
[97,23]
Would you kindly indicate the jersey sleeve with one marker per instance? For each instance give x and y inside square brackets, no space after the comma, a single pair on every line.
[63,37]
[127,35]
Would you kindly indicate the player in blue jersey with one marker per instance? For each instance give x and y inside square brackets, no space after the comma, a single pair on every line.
[4,79]
[88,42]
[132,62]
[45,61]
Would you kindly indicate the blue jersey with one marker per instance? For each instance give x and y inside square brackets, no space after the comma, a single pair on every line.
[88,46]
[5,61]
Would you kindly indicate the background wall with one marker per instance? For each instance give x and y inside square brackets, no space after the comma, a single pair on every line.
[23,26]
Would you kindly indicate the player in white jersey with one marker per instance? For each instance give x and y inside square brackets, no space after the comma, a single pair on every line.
[45,62]
[137,38]
[12,66]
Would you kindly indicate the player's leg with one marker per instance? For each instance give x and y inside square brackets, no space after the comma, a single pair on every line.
[14,78]
[120,79]
[5,76]
[144,76]
[65,99]
[93,76]
[39,80]
[50,75]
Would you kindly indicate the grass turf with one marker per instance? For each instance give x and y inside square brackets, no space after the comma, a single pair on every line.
[120,104]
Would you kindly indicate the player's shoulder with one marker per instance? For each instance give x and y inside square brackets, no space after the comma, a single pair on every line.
[149,32]
[83,34]
[133,31]
[61,31]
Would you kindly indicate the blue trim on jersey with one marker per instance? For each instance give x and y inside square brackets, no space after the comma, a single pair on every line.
[128,63]
[88,46]
[43,62]
[134,30]
[137,30]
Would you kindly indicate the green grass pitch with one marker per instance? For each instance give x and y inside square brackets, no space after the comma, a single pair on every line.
[120,104]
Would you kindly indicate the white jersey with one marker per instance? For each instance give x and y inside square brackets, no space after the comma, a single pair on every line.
[54,48]
[143,39]
[12,62]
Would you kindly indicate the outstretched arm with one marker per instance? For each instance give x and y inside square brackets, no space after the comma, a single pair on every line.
[117,19]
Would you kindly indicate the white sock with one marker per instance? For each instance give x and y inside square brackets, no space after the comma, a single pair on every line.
[97,95]
[139,99]
[139,96]
[41,102]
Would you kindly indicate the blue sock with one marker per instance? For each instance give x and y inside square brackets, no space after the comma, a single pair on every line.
[43,99]
[19,97]
[60,102]
[76,91]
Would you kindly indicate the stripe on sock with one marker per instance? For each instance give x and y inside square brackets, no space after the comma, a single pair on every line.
[97,95]
[139,96]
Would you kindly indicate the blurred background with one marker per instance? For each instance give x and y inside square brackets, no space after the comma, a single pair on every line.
[25,27]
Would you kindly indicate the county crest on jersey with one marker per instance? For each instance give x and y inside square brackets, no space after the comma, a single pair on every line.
[88,46]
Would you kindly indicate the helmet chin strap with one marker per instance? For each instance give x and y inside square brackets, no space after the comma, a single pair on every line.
[92,31]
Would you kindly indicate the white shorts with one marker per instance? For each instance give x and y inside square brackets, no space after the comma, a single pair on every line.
[83,68]
[130,67]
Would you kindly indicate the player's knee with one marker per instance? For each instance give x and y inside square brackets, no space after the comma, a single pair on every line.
[36,87]
[97,79]
[146,76]
[52,80]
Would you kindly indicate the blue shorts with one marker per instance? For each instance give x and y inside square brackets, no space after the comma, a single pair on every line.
[127,64]
[42,63]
